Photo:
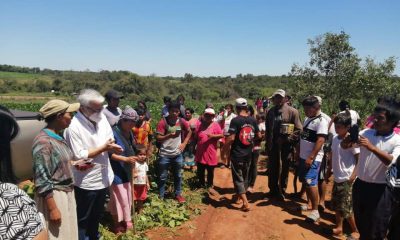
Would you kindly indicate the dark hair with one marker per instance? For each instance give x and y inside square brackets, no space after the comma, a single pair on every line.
[8,131]
[174,104]
[140,148]
[343,105]
[167,99]
[140,111]
[180,96]
[209,105]
[229,105]
[261,116]
[143,103]
[190,110]
[391,109]
[251,110]
[310,101]
[51,118]
[343,119]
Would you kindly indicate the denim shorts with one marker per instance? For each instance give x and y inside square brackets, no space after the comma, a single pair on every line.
[309,176]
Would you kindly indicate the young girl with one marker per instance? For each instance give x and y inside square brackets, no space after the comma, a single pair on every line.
[141,182]
[343,161]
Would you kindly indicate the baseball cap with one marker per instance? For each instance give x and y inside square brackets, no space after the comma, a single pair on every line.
[55,106]
[279,92]
[209,111]
[130,114]
[319,99]
[113,94]
[241,102]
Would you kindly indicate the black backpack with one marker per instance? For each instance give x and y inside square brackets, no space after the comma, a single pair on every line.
[393,179]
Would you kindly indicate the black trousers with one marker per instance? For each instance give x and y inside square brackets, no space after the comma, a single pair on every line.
[90,207]
[372,205]
[201,169]
[253,171]
[278,168]
[394,226]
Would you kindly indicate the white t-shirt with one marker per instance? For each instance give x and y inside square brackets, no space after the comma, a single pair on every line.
[111,117]
[261,127]
[227,122]
[343,160]
[370,168]
[328,119]
[354,116]
[82,135]
[140,173]
[315,126]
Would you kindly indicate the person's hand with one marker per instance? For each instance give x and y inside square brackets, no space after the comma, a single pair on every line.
[182,147]
[309,162]
[110,146]
[210,135]
[84,167]
[148,186]
[352,179]
[55,216]
[131,159]
[364,142]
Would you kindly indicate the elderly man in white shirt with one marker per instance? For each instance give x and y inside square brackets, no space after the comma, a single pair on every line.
[379,147]
[91,140]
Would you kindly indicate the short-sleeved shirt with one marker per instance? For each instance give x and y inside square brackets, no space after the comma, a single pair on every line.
[206,151]
[245,129]
[142,133]
[312,128]
[370,168]
[343,160]
[354,116]
[140,173]
[170,147]
[19,217]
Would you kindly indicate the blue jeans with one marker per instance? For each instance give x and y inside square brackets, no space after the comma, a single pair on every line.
[309,176]
[163,166]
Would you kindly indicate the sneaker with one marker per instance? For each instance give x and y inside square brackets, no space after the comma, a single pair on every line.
[180,199]
[313,216]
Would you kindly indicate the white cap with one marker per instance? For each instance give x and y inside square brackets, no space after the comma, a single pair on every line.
[209,111]
[319,99]
[280,92]
[241,102]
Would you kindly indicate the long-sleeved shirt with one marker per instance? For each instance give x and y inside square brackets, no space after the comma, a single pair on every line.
[82,135]
[51,163]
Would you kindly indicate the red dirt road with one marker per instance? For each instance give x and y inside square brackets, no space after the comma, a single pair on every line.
[268,219]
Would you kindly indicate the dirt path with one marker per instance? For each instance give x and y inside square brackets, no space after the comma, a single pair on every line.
[268,219]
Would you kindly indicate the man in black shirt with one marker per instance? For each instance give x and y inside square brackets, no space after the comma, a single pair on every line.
[242,132]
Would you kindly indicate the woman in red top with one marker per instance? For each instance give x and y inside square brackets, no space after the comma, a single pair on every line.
[207,135]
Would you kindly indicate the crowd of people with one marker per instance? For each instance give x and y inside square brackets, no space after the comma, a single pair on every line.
[90,150]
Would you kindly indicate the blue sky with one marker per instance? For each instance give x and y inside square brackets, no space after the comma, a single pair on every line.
[173,37]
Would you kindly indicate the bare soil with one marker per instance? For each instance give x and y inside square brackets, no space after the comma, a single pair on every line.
[267,219]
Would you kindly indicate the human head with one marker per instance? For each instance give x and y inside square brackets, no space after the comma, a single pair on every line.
[386,116]
[278,97]
[343,105]
[91,104]
[209,105]
[250,108]
[128,119]
[229,108]
[58,113]
[311,106]
[167,100]
[142,104]
[113,97]
[342,123]
[142,115]
[141,151]
[241,105]
[188,113]
[8,131]
[174,110]
[208,115]
[180,99]
[260,117]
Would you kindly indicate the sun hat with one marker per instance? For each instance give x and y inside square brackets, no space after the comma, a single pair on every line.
[129,114]
[279,92]
[55,106]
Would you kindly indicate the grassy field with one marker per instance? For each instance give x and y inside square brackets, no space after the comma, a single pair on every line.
[23,77]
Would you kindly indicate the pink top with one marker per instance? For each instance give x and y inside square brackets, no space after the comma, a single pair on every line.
[206,151]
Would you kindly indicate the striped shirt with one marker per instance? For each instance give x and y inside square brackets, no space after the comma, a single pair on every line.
[142,133]
[51,163]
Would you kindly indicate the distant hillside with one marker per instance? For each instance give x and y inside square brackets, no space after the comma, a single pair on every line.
[150,88]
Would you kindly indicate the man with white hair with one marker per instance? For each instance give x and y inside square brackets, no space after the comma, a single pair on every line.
[91,140]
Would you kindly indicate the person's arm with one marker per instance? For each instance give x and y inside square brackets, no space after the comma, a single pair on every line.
[187,138]
[228,144]
[328,173]
[54,212]
[317,147]
[354,173]
[120,158]
[383,156]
